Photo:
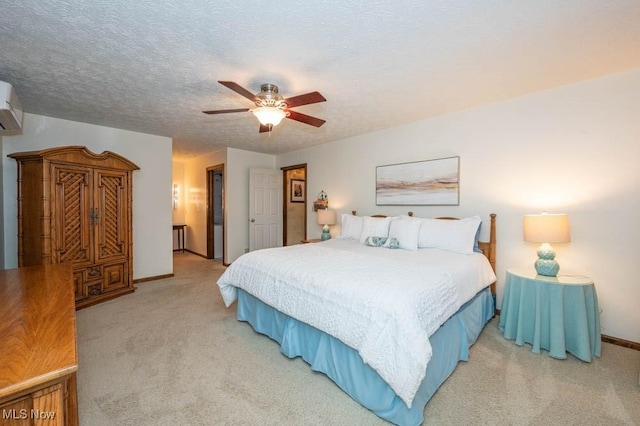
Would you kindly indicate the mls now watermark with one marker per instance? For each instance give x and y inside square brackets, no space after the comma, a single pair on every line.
[24,414]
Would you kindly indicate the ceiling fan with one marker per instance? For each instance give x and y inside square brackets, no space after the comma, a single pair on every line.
[271,107]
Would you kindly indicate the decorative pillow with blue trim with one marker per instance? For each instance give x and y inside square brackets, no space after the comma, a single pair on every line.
[391,243]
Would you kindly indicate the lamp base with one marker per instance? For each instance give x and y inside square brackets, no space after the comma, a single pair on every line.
[325,233]
[546,264]
[547,267]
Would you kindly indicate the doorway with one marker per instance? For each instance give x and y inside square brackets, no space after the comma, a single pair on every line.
[215,213]
[294,227]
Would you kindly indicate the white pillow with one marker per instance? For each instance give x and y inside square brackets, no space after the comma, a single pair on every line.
[351,227]
[453,235]
[374,227]
[406,232]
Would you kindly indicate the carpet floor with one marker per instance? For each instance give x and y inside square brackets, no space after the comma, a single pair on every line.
[172,354]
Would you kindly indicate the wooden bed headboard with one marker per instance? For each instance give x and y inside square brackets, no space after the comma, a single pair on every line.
[488,247]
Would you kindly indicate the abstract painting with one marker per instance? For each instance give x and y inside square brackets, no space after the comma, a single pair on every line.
[421,183]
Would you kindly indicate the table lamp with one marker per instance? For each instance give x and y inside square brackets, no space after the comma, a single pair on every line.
[326,218]
[546,228]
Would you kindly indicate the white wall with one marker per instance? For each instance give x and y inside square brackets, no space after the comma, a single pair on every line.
[195,185]
[152,255]
[178,213]
[177,178]
[237,184]
[236,190]
[573,149]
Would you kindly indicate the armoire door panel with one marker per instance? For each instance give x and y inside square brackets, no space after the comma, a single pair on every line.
[111,206]
[71,198]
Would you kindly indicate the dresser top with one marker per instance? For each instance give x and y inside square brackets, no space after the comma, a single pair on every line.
[37,326]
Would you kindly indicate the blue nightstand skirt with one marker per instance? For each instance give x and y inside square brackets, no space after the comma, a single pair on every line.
[559,318]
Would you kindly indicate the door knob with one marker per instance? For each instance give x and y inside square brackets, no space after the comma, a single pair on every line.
[253,220]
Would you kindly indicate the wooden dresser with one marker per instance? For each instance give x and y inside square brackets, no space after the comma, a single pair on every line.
[76,206]
[38,358]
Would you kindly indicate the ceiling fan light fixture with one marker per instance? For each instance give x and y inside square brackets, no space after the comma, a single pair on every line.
[269,116]
[270,107]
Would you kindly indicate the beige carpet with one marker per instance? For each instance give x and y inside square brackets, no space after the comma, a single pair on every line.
[172,354]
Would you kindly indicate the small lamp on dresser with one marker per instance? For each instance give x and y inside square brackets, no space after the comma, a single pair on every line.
[326,218]
[546,228]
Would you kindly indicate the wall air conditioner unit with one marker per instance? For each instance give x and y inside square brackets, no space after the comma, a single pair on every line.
[10,109]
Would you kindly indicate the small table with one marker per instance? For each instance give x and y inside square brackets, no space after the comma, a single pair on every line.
[559,314]
[180,229]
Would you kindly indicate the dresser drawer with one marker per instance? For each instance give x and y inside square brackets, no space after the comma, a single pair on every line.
[115,277]
[96,280]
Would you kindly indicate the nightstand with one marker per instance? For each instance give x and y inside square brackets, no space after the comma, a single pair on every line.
[559,314]
[312,240]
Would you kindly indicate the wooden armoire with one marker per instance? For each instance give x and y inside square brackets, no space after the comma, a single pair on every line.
[76,206]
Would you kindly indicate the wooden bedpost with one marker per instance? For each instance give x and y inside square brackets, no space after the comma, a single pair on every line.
[492,248]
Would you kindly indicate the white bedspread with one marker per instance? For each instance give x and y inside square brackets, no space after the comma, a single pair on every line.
[383,303]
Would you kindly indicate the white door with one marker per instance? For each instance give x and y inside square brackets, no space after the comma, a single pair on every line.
[265,208]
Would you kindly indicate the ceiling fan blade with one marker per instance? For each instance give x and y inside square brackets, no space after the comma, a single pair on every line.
[304,118]
[238,89]
[264,128]
[306,99]
[225,111]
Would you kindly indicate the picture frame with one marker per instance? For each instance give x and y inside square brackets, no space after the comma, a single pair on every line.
[297,191]
[420,183]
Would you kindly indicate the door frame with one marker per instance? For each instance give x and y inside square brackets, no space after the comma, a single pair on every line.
[285,182]
[210,209]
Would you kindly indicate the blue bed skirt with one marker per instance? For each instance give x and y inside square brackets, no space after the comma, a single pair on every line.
[345,367]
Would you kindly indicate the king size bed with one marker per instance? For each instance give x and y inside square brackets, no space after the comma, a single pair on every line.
[386,310]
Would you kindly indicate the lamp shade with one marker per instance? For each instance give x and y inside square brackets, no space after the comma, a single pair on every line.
[546,228]
[269,115]
[326,217]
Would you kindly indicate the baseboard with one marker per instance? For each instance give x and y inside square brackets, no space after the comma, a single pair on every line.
[621,342]
[197,254]
[157,277]
[203,256]
[160,277]
[613,340]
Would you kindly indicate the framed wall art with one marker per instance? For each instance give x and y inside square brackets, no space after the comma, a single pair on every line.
[420,183]
[296,191]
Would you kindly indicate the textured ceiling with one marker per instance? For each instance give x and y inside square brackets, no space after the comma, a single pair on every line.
[152,66]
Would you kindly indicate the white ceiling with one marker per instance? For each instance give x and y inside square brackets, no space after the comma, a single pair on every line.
[152,66]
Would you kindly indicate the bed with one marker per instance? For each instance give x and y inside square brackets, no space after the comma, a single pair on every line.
[387,310]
